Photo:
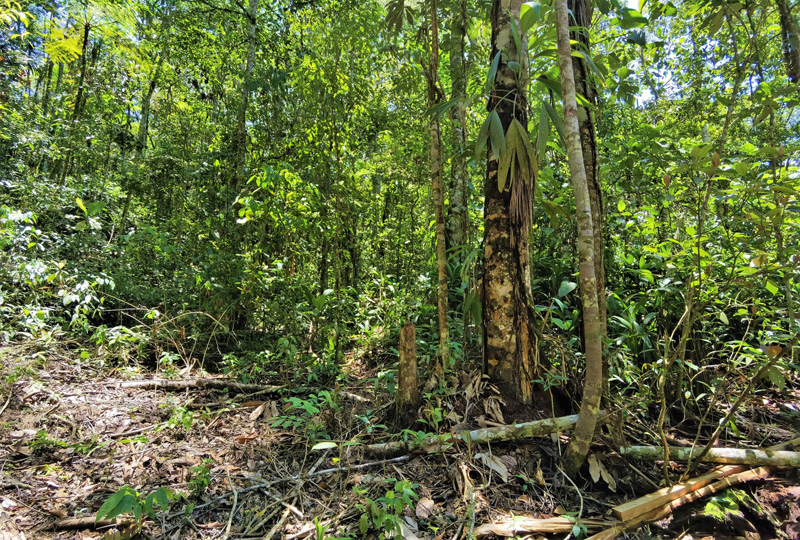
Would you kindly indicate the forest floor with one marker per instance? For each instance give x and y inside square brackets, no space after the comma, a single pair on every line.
[71,435]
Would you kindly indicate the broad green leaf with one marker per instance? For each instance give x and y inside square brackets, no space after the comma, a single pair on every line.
[524,150]
[701,151]
[81,206]
[530,13]
[723,317]
[566,288]
[503,168]
[630,18]
[544,132]
[621,206]
[714,22]
[558,122]
[325,445]
[515,67]
[550,84]
[771,287]
[492,73]
[776,377]
[496,135]
[515,32]
[438,110]
[483,136]
[111,503]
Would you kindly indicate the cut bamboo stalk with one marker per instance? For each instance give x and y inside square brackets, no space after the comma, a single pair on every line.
[663,511]
[520,525]
[729,456]
[651,501]
[636,507]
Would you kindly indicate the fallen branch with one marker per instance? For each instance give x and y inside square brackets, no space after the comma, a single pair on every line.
[188,384]
[663,511]
[517,526]
[731,456]
[438,443]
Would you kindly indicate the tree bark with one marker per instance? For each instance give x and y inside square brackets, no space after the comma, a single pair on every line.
[435,156]
[510,337]
[593,335]
[790,35]
[407,398]
[584,85]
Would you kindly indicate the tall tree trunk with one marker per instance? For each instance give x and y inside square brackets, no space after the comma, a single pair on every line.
[790,34]
[458,210]
[241,117]
[510,338]
[593,335]
[76,112]
[458,217]
[64,163]
[584,85]
[323,262]
[48,76]
[434,98]
[142,134]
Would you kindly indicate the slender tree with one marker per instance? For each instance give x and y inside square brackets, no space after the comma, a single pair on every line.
[593,335]
[585,86]
[241,117]
[435,94]
[458,216]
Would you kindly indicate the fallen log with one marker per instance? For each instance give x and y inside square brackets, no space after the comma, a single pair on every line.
[520,525]
[663,511]
[636,507]
[188,384]
[438,443]
[729,456]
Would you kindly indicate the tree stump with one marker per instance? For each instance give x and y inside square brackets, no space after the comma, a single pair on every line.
[407,395]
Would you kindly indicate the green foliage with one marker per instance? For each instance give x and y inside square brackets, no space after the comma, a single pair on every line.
[304,414]
[384,514]
[201,477]
[731,501]
[129,501]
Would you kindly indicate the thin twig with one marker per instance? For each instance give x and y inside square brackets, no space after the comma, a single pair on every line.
[233,507]
[279,525]
[724,423]
[8,399]
[262,485]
